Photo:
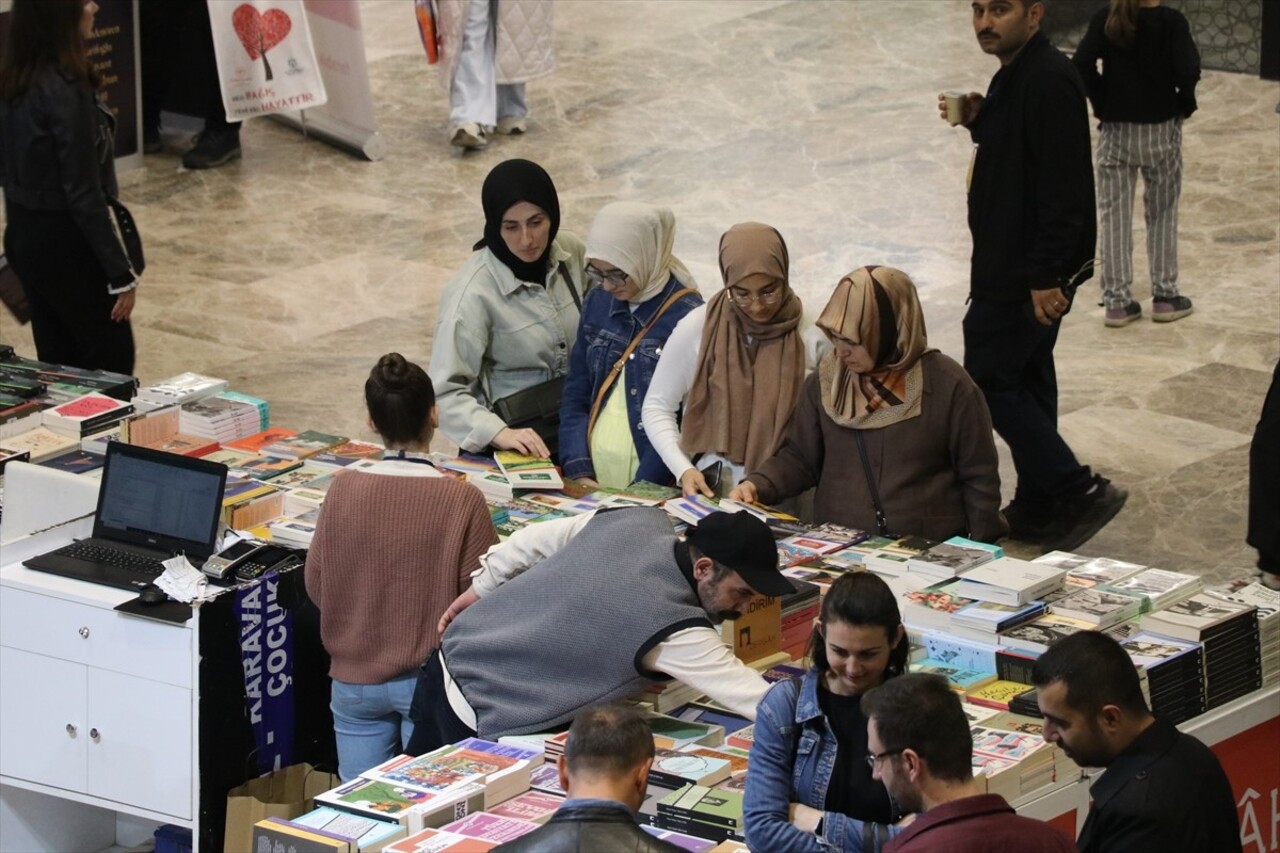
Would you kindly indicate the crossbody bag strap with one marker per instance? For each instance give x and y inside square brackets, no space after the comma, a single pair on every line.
[882,524]
[616,370]
[573,291]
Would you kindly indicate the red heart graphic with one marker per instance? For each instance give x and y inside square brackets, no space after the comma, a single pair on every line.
[260,32]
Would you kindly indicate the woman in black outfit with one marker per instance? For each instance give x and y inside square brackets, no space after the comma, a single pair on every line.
[57,168]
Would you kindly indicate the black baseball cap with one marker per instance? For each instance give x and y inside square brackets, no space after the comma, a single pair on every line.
[744,543]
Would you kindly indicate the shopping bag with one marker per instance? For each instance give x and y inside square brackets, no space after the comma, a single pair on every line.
[266,59]
[283,793]
[426,11]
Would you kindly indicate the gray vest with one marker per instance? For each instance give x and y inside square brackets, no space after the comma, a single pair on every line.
[572,630]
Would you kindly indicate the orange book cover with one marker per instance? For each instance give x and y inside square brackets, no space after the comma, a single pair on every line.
[254,443]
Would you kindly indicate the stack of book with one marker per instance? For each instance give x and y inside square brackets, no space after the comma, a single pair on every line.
[412,808]
[931,608]
[361,833]
[297,531]
[1099,607]
[302,445]
[347,453]
[159,429]
[892,558]
[690,509]
[1172,674]
[672,733]
[225,417]
[39,444]
[1267,602]
[436,841]
[253,444]
[59,383]
[533,806]
[985,620]
[997,694]
[1007,580]
[85,415]
[1035,637]
[489,828]
[713,813]
[177,390]
[1229,632]
[673,768]
[953,557]
[961,679]
[18,414]
[1158,588]
[958,651]
[277,833]
[799,609]
[1011,763]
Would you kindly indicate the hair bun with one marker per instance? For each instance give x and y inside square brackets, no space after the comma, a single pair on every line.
[393,370]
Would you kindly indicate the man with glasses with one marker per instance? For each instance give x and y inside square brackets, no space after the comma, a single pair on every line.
[921,748]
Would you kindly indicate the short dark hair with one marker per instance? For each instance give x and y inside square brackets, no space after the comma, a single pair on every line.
[919,711]
[607,740]
[862,598]
[1095,670]
[399,395]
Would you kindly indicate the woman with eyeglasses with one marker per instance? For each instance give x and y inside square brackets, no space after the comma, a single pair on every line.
[736,367]
[809,783]
[508,318]
[638,292]
[895,436]
[57,168]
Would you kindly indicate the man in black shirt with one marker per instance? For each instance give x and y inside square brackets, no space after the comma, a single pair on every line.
[1031,213]
[1163,790]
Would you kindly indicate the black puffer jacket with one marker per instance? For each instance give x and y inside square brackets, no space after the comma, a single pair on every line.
[57,152]
[589,829]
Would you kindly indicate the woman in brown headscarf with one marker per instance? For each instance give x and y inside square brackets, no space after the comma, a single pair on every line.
[922,422]
[736,365]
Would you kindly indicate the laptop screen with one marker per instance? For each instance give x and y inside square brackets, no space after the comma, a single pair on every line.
[161,500]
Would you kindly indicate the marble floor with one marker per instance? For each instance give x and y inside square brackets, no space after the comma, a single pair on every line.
[290,271]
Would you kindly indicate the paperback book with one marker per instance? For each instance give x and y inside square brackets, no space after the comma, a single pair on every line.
[528,472]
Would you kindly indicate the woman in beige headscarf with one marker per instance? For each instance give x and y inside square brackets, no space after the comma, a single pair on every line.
[736,366]
[923,426]
[639,292]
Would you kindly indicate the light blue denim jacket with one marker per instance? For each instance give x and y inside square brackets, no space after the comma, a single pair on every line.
[791,761]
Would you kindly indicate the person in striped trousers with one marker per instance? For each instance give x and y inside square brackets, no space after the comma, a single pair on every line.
[1144,91]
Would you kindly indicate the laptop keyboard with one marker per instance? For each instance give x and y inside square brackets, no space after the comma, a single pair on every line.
[113,557]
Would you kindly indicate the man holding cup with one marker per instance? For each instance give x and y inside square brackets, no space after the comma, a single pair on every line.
[1032,217]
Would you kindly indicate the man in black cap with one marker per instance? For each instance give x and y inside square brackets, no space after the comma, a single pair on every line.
[589,609]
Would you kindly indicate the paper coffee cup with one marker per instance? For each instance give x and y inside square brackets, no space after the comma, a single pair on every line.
[955,107]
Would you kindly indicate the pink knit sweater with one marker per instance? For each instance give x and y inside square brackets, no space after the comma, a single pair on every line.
[390,553]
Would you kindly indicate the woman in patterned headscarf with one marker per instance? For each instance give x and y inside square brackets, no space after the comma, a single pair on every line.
[886,420]
[735,365]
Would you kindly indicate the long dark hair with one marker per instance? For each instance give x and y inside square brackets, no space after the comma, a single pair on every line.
[1122,22]
[43,32]
[399,395]
[861,599]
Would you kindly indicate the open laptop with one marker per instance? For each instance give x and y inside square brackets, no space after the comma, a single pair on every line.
[152,506]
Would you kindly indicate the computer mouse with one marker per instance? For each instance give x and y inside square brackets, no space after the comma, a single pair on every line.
[152,594]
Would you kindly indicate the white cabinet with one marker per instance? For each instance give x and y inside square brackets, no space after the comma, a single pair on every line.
[95,703]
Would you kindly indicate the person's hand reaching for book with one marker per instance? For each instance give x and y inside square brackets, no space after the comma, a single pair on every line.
[745,492]
[693,483]
[459,604]
[525,441]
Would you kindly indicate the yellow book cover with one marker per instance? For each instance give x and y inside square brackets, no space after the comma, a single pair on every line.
[997,694]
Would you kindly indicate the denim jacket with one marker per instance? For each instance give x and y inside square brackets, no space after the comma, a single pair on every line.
[606,329]
[791,761]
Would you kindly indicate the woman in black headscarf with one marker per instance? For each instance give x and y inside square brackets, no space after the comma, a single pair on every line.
[508,318]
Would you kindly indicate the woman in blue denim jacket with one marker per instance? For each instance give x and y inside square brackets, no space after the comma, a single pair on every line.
[809,785]
[636,285]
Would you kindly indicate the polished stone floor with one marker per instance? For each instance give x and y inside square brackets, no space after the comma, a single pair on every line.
[290,271]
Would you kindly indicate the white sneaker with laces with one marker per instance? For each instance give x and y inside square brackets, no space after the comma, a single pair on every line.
[511,125]
[470,136]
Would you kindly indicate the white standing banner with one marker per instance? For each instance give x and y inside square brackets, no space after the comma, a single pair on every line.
[347,120]
[266,60]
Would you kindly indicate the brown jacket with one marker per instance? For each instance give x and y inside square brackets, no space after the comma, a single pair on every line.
[937,474]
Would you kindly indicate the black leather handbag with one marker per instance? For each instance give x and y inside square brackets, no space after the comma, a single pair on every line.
[537,408]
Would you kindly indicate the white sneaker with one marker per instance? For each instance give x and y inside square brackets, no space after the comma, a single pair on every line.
[511,125]
[470,136]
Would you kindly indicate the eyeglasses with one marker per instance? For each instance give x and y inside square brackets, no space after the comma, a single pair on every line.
[873,758]
[612,278]
[768,296]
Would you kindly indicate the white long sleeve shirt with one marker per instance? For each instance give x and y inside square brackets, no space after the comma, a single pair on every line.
[695,656]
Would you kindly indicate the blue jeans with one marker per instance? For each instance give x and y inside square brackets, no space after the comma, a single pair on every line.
[371,722]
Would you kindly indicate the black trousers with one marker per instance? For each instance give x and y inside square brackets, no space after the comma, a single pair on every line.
[1264,482]
[434,723]
[1010,357]
[67,288]
[179,68]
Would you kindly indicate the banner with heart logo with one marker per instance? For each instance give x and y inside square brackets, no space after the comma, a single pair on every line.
[266,59]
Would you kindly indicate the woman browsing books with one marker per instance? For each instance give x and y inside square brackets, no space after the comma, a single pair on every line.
[809,783]
[895,436]
[395,545]
[509,317]
[639,291]
[735,365]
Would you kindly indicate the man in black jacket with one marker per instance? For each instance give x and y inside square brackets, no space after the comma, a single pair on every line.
[1032,216]
[1162,790]
[605,770]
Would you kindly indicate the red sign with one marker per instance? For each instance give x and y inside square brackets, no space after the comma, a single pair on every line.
[1252,762]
